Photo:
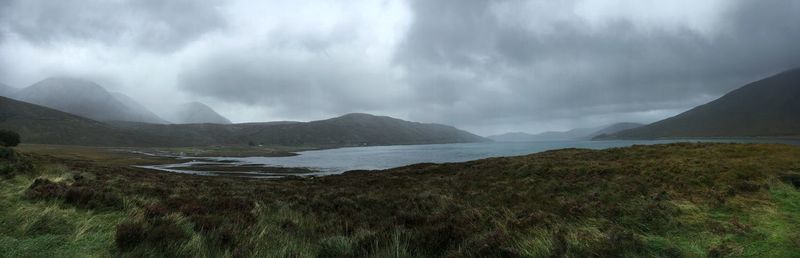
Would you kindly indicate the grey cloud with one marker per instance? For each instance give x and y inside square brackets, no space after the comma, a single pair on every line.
[483,65]
[288,82]
[151,24]
[573,70]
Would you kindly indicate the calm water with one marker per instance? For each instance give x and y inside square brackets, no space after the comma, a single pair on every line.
[334,161]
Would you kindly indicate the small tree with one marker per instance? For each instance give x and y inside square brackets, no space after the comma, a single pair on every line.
[9,138]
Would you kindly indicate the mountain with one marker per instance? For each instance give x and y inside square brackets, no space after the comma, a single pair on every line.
[514,137]
[141,113]
[83,98]
[347,130]
[573,134]
[6,90]
[197,113]
[362,129]
[768,107]
[614,128]
[38,124]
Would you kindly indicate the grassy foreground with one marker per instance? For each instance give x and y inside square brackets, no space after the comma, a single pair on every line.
[675,200]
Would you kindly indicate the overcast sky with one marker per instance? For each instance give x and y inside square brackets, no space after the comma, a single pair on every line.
[485,66]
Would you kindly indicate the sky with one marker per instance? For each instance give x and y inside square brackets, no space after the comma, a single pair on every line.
[485,66]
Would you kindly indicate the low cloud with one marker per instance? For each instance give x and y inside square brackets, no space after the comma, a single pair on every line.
[486,66]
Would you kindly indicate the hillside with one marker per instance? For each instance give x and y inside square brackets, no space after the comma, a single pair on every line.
[39,124]
[140,113]
[6,90]
[676,200]
[769,107]
[612,129]
[197,113]
[347,130]
[83,98]
[574,134]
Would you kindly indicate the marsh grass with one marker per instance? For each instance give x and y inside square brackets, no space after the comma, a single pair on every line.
[675,200]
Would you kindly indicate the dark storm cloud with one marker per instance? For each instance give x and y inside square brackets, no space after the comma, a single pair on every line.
[575,68]
[486,66]
[295,77]
[150,24]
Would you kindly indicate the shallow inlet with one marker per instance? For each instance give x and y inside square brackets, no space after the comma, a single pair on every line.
[337,161]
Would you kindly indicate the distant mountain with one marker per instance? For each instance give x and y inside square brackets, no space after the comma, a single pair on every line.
[347,130]
[141,113]
[614,128]
[6,90]
[83,98]
[197,113]
[38,124]
[514,137]
[362,129]
[769,107]
[573,134]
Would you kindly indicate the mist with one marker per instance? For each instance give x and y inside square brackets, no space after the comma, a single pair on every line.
[485,66]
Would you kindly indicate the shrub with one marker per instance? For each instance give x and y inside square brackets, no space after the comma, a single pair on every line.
[337,246]
[6,171]
[165,233]
[84,197]
[7,154]
[129,235]
[45,189]
[9,138]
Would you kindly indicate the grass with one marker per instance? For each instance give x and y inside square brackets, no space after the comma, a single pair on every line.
[51,229]
[674,200]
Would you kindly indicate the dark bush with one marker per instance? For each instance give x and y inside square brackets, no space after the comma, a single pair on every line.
[792,178]
[129,235]
[337,246]
[495,244]
[87,198]
[7,154]
[9,138]
[154,210]
[165,233]
[45,189]
[6,171]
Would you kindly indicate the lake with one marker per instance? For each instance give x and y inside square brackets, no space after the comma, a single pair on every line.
[335,161]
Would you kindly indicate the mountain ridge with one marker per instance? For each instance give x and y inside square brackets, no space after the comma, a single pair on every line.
[39,124]
[84,98]
[768,107]
[197,113]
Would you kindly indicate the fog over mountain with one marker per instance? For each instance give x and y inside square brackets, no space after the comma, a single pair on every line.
[485,66]
[6,90]
[573,134]
[197,113]
[85,98]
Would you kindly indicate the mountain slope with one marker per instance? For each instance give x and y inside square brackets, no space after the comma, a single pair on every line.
[574,134]
[769,107]
[347,130]
[196,113]
[140,113]
[6,91]
[514,137]
[81,97]
[614,128]
[37,124]
[361,129]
